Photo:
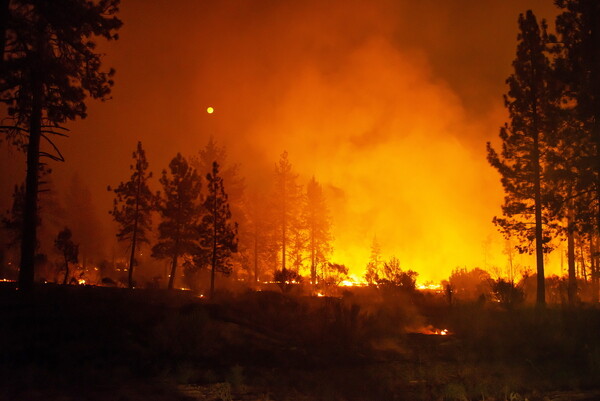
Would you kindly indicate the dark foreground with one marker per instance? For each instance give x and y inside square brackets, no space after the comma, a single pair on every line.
[90,343]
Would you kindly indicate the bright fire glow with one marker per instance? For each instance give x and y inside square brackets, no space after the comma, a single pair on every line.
[429,286]
[430,330]
[81,281]
[210,110]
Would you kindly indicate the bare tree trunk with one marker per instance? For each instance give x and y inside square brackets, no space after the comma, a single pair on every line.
[283,236]
[582,267]
[135,230]
[173,271]
[572,287]
[214,252]
[539,250]
[594,269]
[29,237]
[256,257]
[4,7]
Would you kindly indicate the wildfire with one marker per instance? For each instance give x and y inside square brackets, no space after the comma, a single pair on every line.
[81,281]
[429,286]
[431,331]
[320,294]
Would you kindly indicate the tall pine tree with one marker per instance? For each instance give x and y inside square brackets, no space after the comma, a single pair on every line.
[318,226]
[49,67]
[133,205]
[218,235]
[286,202]
[578,29]
[180,210]
[524,141]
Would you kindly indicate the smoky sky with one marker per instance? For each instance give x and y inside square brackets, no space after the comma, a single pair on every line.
[388,104]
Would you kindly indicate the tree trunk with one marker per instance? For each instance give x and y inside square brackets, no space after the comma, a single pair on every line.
[173,271]
[4,7]
[539,250]
[30,219]
[65,280]
[256,258]
[313,264]
[135,230]
[283,236]
[582,267]
[572,287]
[214,252]
[593,269]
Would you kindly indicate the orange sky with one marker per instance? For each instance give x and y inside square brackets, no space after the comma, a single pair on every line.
[388,103]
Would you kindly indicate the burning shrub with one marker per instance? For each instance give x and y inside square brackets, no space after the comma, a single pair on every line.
[285,278]
[469,284]
[507,293]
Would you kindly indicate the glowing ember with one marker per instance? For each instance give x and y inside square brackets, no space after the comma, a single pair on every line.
[431,331]
[210,110]
[81,281]
[320,294]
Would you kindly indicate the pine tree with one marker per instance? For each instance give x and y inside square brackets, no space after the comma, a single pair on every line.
[133,205]
[578,29]
[263,252]
[373,270]
[318,225]
[286,197]
[524,141]
[236,194]
[69,250]
[180,210]
[49,67]
[217,234]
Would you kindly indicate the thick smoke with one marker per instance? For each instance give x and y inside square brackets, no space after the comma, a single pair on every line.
[389,104]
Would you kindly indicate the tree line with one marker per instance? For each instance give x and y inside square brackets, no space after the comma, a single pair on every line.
[549,160]
[208,220]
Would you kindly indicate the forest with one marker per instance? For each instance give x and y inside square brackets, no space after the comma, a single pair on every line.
[221,283]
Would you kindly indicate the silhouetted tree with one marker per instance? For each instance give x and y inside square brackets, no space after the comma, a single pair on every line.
[578,29]
[133,205]
[469,284]
[263,252]
[507,293]
[180,210]
[374,266]
[50,69]
[392,276]
[68,249]
[332,274]
[217,233]
[524,141]
[285,279]
[236,194]
[318,224]
[287,196]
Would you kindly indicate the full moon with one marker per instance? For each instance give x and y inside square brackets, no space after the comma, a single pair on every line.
[210,110]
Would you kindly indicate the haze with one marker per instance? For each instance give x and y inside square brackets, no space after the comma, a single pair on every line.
[388,103]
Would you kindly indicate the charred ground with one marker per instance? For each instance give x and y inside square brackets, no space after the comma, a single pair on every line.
[73,342]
